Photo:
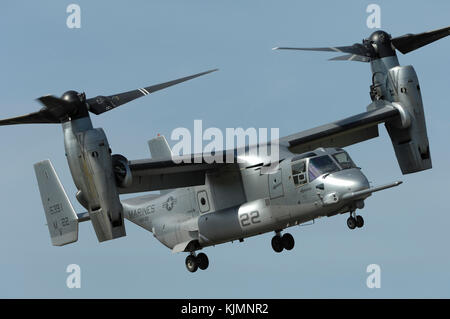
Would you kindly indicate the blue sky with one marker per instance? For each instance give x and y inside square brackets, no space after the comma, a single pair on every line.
[126,45]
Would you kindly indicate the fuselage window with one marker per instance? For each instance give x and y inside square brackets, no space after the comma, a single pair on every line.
[344,160]
[299,173]
[321,165]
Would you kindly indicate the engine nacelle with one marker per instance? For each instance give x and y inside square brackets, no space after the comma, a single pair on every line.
[122,171]
[409,137]
[96,175]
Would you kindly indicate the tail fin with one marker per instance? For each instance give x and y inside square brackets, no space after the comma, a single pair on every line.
[159,148]
[61,218]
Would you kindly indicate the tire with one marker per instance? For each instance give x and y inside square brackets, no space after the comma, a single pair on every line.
[359,221]
[277,244]
[351,223]
[288,241]
[191,263]
[202,261]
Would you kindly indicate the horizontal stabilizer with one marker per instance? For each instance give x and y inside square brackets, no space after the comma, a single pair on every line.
[83,217]
[62,221]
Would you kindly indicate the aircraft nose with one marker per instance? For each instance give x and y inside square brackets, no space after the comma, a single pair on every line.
[358,181]
[343,182]
[350,180]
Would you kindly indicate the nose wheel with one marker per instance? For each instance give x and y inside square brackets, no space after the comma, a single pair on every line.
[194,262]
[355,221]
[282,242]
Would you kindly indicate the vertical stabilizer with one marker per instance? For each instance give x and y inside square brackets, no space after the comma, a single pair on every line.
[61,218]
[159,148]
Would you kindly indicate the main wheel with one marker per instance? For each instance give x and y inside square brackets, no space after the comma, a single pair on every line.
[351,223]
[191,263]
[359,221]
[288,241]
[277,244]
[202,261]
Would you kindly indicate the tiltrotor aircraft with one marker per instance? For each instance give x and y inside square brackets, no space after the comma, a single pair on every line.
[206,202]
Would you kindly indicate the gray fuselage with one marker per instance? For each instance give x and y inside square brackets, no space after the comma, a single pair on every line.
[245,202]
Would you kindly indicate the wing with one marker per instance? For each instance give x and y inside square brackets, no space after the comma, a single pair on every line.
[348,131]
[191,170]
[155,174]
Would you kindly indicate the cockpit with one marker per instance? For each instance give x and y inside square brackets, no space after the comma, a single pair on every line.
[307,167]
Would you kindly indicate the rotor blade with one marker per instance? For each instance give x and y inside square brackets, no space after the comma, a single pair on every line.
[410,42]
[40,117]
[354,49]
[54,110]
[52,102]
[101,104]
[351,57]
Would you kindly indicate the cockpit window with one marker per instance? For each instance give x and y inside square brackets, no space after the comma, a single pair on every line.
[302,156]
[321,165]
[344,160]
[299,173]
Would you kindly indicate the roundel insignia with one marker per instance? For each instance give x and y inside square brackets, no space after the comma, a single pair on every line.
[170,203]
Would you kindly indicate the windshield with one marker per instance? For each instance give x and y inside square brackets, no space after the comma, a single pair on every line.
[321,165]
[344,160]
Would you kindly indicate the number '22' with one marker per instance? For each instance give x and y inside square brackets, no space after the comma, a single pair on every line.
[248,219]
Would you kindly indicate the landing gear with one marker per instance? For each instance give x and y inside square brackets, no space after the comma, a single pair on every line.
[194,262]
[359,221]
[351,222]
[202,261]
[277,244]
[191,263]
[288,241]
[282,242]
[355,221]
